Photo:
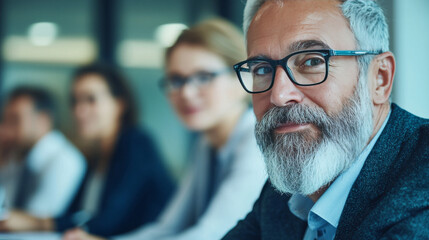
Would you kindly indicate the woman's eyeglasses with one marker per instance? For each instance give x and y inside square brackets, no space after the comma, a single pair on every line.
[199,79]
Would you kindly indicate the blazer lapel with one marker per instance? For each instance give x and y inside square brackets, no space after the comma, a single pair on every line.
[374,176]
[277,221]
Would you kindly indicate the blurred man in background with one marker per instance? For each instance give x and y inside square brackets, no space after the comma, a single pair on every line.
[39,168]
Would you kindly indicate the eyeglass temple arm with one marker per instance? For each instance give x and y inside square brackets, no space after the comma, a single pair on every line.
[352,53]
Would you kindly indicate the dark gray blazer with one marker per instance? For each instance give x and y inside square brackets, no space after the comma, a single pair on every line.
[389,199]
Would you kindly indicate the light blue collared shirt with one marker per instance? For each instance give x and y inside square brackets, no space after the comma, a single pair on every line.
[323,216]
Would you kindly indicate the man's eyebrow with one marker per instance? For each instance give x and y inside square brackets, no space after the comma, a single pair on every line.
[306,44]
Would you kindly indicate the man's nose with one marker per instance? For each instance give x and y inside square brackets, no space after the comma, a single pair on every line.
[284,91]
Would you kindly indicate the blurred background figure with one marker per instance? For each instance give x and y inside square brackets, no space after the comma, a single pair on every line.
[126,184]
[6,144]
[40,169]
[227,171]
[3,208]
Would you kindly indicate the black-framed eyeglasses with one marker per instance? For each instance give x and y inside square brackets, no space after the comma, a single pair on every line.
[304,68]
[199,79]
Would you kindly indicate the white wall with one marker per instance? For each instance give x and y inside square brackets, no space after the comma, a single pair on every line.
[411,47]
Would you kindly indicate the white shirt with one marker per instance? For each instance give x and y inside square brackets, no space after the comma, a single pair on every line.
[243,176]
[58,168]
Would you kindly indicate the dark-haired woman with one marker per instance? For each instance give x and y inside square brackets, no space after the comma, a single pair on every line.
[126,185]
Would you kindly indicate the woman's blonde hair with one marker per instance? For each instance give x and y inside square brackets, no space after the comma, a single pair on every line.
[216,35]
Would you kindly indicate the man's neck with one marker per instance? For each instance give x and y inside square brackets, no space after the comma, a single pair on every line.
[380,114]
[315,196]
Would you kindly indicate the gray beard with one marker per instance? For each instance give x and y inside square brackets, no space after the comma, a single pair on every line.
[303,162]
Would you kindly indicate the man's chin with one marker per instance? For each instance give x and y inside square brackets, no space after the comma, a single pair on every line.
[303,188]
[305,175]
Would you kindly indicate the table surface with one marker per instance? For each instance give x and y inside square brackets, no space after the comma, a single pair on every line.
[30,236]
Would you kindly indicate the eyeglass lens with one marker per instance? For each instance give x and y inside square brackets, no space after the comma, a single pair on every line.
[307,68]
[198,79]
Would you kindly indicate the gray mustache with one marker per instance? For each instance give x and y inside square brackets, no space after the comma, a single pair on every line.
[294,113]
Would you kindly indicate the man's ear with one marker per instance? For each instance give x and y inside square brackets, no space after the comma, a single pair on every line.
[381,77]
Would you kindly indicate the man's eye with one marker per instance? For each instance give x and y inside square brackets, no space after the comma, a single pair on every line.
[312,62]
[262,70]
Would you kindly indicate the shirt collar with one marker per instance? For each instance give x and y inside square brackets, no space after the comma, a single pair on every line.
[330,205]
[42,151]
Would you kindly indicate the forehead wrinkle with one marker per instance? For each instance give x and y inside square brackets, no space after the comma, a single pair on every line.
[298,46]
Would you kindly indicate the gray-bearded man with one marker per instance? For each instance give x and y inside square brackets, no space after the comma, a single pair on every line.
[343,162]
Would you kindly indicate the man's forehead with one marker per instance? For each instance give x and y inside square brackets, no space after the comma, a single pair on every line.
[298,6]
[299,45]
[294,25]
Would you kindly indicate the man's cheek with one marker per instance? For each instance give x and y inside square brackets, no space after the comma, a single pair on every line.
[261,104]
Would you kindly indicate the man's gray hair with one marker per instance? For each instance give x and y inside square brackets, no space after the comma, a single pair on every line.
[366,20]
